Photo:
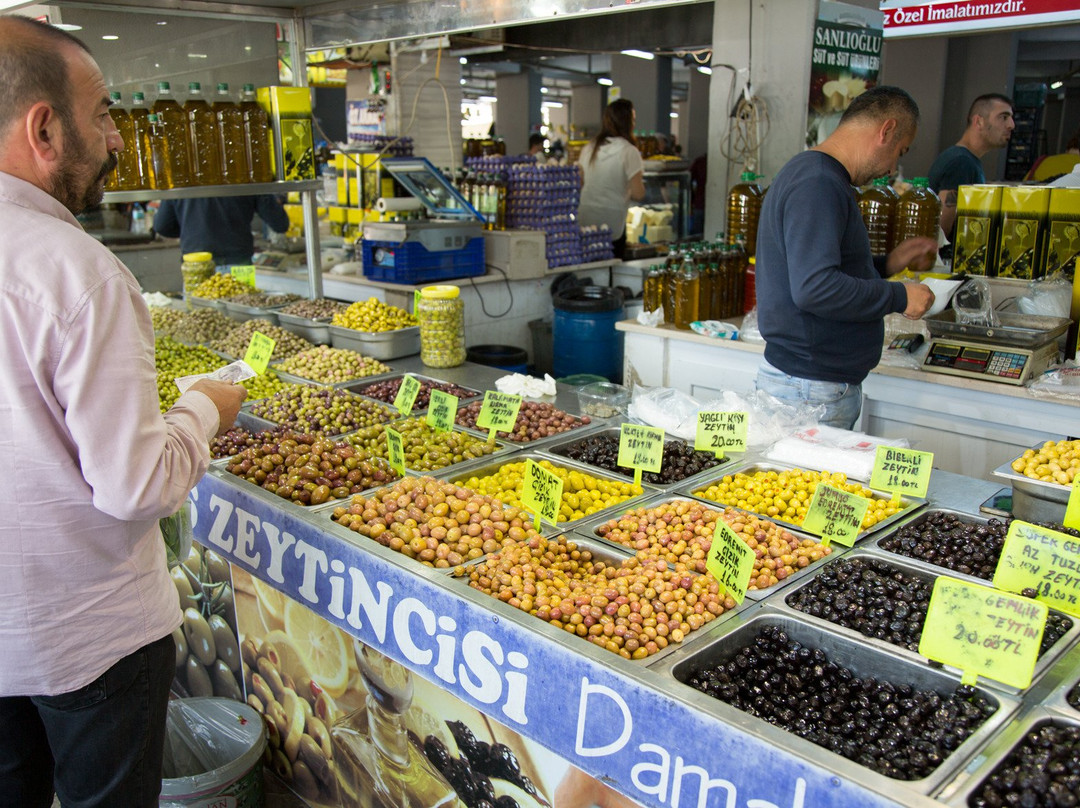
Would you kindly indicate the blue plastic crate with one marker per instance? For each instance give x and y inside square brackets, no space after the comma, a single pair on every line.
[412,262]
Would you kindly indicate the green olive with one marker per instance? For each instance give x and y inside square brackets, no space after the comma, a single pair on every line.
[199,636]
[198,680]
[183,588]
[228,649]
[181,646]
[216,566]
[224,682]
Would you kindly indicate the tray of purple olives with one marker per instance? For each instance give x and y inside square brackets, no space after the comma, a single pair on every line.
[600,448]
[882,600]
[1035,760]
[879,719]
[385,388]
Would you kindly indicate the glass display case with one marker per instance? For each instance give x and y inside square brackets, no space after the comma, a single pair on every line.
[668,183]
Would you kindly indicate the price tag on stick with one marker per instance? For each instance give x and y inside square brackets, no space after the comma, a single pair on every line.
[259,351]
[983,632]
[396,448]
[244,274]
[641,448]
[542,492]
[498,413]
[407,392]
[720,432]
[441,411]
[902,471]
[730,561]
[1045,560]
[835,515]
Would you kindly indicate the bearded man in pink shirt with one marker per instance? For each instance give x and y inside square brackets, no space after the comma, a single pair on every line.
[90,464]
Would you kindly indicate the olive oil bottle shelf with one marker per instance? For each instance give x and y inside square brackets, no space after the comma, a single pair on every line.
[196,191]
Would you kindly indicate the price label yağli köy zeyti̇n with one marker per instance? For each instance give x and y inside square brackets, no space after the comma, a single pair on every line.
[835,515]
[720,432]
[542,492]
[244,274]
[1045,560]
[396,449]
[259,351]
[902,471]
[730,561]
[441,411]
[498,413]
[641,448]
[983,632]
[407,392]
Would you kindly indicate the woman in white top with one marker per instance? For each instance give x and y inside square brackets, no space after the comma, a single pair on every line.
[612,173]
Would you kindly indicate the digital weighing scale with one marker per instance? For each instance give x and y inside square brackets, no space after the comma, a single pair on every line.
[1020,347]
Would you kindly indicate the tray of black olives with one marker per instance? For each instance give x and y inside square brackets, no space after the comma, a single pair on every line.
[1034,761]
[385,388]
[1065,696]
[876,718]
[681,464]
[882,600]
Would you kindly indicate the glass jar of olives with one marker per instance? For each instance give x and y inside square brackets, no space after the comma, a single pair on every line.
[196,268]
[441,313]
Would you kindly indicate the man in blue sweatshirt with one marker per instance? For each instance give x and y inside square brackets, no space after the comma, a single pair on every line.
[822,297]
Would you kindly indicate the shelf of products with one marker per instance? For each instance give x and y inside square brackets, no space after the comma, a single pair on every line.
[198,191]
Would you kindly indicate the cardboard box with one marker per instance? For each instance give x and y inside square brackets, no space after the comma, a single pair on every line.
[1023,227]
[1062,233]
[978,215]
[289,109]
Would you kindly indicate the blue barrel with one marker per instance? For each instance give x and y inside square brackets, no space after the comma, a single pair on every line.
[583,332]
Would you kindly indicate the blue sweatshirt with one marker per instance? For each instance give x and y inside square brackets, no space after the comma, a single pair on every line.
[821,298]
[220,225]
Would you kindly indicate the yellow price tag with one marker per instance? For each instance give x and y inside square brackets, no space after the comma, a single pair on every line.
[244,274]
[542,492]
[902,471]
[396,447]
[1045,560]
[259,351]
[407,392]
[730,561]
[498,413]
[720,432]
[835,515]
[441,411]
[1072,510]
[983,632]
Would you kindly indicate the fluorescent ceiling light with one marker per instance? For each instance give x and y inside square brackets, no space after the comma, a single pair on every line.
[605,81]
[1056,85]
[463,60]
[704,69]
[640,54]
[196,56]
[162,22]
[544,90]
[488,99]
[552,104]
[673,114]
[462,81]
[67,26]
[109,37]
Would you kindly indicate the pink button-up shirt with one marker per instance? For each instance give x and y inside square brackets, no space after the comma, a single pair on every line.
[87,462]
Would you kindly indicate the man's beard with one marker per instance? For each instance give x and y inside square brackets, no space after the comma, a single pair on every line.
[70,186]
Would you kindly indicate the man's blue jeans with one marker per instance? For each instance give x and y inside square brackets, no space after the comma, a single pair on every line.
[842,402]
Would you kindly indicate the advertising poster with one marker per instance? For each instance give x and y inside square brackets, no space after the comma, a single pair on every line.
[845,61]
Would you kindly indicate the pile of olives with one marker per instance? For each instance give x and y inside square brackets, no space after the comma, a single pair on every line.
[426,449]
[321,308]
[786,494]
[882,601]
[680,461]
[323,410]
[164,319]
[372,315]
[582,493]
[309,470]
[262,300]
[236,342]
[219,286]
[207,650]
[239,438]
[1042,769]
[1053,462]
[895,730]
[387,391]
[173,360]
[470,774]
[634,609]
[328,365]
[681,532]
[1073,696]
[200,325]
[535,420]
[439,524]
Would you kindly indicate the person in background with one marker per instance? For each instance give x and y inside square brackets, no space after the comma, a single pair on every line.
[536,148]
[989,126]
[219,225]
[821,296]
[612,173]
[1051,167]
[87,606]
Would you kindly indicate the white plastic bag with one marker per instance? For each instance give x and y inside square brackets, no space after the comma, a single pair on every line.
[1049,297]
[665,408]
[1060,382]
[749,331]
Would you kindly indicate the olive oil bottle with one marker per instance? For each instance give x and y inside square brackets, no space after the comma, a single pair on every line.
[139,145]
[203,134]
[173,128]
[257,135]
[232,142]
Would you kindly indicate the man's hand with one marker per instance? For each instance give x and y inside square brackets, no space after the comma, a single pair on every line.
[227,397]
[918,253]
[919,300]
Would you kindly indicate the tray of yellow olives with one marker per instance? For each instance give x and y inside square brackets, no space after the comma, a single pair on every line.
[1042,478]
[784,493]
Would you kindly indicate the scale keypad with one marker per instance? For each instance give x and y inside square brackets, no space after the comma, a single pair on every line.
[1006,365]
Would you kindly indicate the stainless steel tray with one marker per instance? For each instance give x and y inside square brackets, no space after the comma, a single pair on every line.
[358,385]
[377,344]
[1019,330]
[588,527]
[562,443]
[841,650]
[486,467]
[206,303]
[1066,676]
[935,569]
[1035,500]
[1044,663]
[968,782]
[242,313]
[910,504]
[314,331]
